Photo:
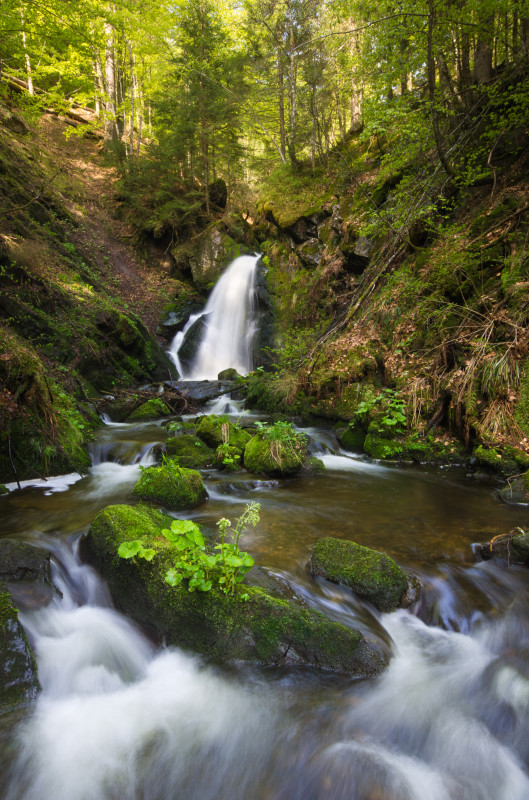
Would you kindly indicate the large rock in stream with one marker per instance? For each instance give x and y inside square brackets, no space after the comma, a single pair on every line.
[24,580]
[265,629]
[372,575]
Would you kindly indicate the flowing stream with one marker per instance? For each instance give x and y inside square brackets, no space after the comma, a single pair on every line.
[120,718]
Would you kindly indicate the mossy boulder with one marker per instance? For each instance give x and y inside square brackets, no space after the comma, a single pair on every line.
[313,466]
[229,374]
[18,673]
[189,451]
[3,489]
[352,436]
[171,485]
[151,409]
[372,575]
[214,431]
[274,458]
[228,458]
[263,629]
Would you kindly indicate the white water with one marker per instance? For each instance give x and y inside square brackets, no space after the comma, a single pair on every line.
[119,719]
[230,325]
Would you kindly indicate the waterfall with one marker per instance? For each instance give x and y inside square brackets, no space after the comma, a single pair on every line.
[228,325]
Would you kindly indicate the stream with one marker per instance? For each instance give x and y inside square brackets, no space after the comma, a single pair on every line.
[120,718]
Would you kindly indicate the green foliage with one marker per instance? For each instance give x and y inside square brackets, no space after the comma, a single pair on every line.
[194,563]
[387,410]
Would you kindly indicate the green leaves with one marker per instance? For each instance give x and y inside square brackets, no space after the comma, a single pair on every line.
[192,563]
[135,548]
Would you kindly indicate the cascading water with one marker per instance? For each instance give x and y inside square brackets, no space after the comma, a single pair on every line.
[121,719]
[229,325]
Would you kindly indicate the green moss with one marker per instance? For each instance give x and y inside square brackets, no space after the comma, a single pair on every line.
[352,436]
[228,458]
[3,489]
[214,430]
[265,629]
[171,485]
[273,457]
[189,451]
[152,409]
[372,575]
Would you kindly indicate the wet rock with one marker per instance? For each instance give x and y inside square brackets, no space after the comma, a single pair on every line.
[172,486]
[23,562]
[215,431]
[516,492]
[202,391]
[372,575]
[352,436]
[189,451]
[512,547]
[18,670]
[151,409]
[192,340]
[174,320]
[229,374]
[265,629]
[275,458]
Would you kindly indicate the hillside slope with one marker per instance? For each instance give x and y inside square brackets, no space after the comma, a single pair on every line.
[78,305]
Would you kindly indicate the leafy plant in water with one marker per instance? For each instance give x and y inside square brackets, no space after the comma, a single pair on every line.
[234,562]
[193,563]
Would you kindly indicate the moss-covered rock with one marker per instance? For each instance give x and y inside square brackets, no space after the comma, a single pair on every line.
[263,629]
[189,451]
[352,436]
[151,409]
[229,374]
[228,458]
[313,466]
[171,485]
[3,489]
[274,457]
[215,431]
[18,671]
[371,575]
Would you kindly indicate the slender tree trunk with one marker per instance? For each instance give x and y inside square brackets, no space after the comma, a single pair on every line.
[281,100]
[26,53]
[111,132]
[292,86]
[131,132]
[431,90]
[99,82]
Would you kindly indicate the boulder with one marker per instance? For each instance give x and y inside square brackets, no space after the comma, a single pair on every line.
[516,492]
[372,575]
[174,318]
[263,629]
[151,409]
[229,374]
[215,431]
[189,451]
[274,458]
[192,340]
[172,486]
[512,547]
[18,673]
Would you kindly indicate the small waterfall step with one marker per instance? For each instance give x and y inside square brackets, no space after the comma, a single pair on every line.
[202,391]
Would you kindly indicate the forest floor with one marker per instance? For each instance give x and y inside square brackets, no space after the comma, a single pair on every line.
[89,187]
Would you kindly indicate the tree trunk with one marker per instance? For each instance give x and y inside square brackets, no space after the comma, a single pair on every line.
[281,99]
[111,132]
[26,54]
[292,87]
[483,52]
[431,90]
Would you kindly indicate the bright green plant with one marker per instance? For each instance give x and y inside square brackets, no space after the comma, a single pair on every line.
[135,548]
[234,562]
[193,563]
